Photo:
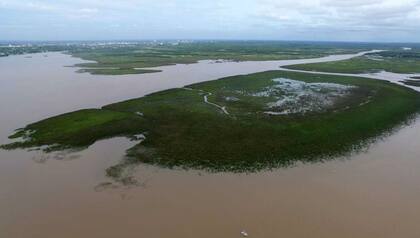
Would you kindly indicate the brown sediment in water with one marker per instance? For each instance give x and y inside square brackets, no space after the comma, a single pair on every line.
[371,194]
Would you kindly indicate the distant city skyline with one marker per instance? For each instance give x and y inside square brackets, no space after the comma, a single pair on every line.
[304,20]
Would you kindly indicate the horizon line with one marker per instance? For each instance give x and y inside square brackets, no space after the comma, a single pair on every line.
[209,39]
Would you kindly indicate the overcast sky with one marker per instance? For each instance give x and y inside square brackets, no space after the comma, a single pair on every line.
[338,20]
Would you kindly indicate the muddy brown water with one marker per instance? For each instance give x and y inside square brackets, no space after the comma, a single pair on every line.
[371,194]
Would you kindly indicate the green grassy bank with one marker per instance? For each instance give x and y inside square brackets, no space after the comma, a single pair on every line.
[391,61]
[182,130]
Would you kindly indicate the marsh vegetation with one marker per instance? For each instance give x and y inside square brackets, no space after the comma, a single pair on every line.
[127,59]
[396,61]
[182,130]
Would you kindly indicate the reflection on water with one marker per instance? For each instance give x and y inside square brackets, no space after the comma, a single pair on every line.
[374,194]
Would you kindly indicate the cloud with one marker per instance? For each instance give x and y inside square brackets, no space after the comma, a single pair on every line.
[379,20]
[43,7]
[88,10]
[341,13]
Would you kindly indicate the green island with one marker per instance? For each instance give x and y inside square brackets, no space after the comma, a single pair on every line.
[129,58]
[116,71]
[396,61]
[241,123]
[136,57]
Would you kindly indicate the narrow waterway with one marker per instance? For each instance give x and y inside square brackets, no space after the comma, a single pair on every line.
[396,78]
[370,194]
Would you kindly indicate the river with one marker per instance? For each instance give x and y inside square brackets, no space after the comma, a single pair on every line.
[371,194]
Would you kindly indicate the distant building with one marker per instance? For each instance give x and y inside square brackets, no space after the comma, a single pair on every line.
[406,48]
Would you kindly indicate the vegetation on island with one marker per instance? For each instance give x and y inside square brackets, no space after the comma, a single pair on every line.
[135,57]
[240,123]
[396,61]
[116,71]
[111,60]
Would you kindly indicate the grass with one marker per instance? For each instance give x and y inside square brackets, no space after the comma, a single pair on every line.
[111,59]
[182,130]
[134,57]
[391,61]
[116,71]
[76,129]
